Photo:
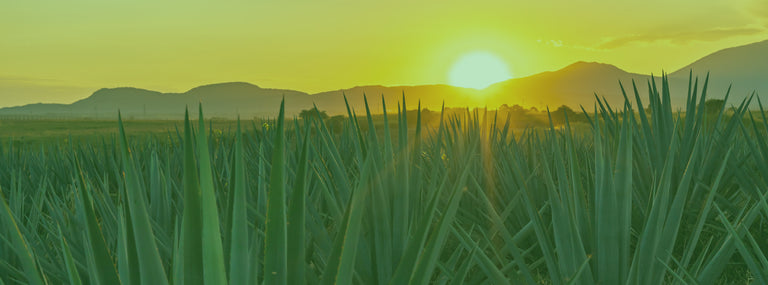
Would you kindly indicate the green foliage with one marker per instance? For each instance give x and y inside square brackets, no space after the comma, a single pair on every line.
[644,196]
[560,114]
[713,106]
[314,112]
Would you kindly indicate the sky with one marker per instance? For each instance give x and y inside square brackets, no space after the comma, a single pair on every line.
[62,51]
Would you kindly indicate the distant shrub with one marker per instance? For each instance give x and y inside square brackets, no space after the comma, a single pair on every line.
[304,114]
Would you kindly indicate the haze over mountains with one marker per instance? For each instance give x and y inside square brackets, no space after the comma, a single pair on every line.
[746,67]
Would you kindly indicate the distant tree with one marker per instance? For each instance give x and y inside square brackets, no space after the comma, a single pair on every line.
[558,115]
[713,106]
[309,113]
[520,117]
[517,109]
[336,123]
[428,117]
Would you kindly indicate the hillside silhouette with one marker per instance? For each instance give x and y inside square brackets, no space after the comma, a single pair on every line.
[746,67]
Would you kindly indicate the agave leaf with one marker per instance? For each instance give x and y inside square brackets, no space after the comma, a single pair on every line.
[297,220]
[191,221]
[428,259]
[275,255]
[150,264]
[239,262]
[213,252]
[106,272]
[69,261]
[340,267]
[20,246]
[756,269]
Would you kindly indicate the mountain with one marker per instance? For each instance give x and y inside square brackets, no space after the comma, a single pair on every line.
[430,96]
[219,100]
[746,67]
[247,100]
[574,86]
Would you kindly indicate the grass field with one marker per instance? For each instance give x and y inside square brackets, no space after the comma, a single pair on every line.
[46,132]
[635,196]
[40,130]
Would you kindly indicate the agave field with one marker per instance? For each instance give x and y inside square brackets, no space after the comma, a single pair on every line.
[643,195]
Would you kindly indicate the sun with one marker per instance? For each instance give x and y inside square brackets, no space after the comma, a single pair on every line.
[478,70]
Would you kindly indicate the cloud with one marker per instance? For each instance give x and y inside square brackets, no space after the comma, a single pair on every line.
[552,43]
[555,43]
[758,8]
[560,44]
[760,11]
[682,38]
[25,80]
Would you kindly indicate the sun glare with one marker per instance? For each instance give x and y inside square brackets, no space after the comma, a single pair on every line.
[478,70]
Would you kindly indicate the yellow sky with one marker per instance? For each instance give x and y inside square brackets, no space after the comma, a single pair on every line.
[61,51]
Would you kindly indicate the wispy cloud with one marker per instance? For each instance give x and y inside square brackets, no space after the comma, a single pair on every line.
[554,43]
[683,37]
[25,80]
[561,44]
[759,9]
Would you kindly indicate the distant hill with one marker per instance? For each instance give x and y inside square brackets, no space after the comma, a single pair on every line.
[574,85]
[431,96]
[219,100]
[746,67]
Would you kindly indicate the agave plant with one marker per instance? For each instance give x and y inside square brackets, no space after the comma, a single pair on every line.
[635,196]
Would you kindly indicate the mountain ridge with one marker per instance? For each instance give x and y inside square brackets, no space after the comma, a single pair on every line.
[574,85]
